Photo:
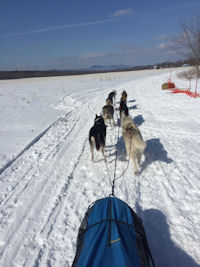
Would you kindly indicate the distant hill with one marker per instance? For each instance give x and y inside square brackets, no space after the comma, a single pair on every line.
[110,67]
[18,74]
[5,75]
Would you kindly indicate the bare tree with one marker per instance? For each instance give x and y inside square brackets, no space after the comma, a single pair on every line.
[187,43]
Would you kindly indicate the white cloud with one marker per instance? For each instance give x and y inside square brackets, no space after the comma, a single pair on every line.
[92,55]
[163,45]
[122,12]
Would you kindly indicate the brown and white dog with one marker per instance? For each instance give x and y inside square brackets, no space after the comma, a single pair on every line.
[133,141]
[124,96]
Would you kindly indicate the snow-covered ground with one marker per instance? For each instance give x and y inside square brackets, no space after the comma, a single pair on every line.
[47,179]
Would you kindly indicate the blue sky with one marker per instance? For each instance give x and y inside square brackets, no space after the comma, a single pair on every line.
[64,34]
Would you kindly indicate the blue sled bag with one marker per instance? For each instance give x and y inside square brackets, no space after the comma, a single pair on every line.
[112,235]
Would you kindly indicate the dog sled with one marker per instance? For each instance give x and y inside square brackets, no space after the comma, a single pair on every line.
[111,234]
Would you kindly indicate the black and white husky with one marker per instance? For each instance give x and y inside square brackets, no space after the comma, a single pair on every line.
[123,110]
[97,136]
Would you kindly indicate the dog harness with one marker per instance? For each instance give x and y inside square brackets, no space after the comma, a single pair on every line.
[131,129]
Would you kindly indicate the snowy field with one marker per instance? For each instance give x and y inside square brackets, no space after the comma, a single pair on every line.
[47,179]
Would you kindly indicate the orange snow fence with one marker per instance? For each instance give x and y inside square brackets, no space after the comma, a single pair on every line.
[187,92]
[171,86]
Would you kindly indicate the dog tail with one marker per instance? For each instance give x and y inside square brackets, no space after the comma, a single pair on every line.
[101,140]
[95,139]
[94,142]
[97,143]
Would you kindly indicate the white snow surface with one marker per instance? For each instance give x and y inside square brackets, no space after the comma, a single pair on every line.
[47,179]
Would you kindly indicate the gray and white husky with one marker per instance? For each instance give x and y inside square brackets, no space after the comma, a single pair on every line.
[108,114]
[97,136]
[133,141]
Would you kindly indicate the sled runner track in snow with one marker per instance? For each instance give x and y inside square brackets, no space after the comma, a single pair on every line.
[35,140]
[34,174]
[11,196]
[23,225]
[31,206]
[46,144]
[94,99]
[90,108]
[25,159]
[56,211]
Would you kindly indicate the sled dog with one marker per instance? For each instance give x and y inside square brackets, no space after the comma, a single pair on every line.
[112,95]
[133,141]
[109,101]
[97,136]
[124,96]
[123,110]
[111,98]
[108,113]
[124,93]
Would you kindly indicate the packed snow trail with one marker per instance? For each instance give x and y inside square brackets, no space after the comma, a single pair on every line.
[45,192]
[40,179]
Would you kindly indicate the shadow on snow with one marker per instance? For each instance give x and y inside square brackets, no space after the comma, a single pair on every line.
[139,120]
[154,151]
[133,107]
[164,251]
